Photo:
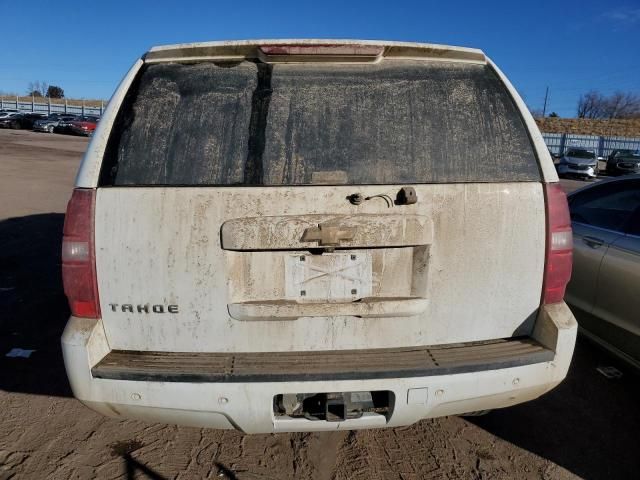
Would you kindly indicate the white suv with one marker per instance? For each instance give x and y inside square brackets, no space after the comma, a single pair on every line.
[315,235]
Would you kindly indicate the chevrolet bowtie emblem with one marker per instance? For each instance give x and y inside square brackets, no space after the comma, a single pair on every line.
[328,235]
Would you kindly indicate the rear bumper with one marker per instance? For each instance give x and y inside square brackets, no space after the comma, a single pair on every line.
[80,131]
[246,403]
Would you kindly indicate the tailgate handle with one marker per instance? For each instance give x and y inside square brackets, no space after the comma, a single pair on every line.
[328,235]
[356,230]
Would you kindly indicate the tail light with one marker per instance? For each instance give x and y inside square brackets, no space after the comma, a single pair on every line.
[559,245]
[78,255]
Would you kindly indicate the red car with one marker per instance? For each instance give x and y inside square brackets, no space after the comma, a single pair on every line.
[84,126]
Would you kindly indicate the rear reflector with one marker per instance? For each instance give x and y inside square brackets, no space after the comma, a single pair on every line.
[559,244]
[78,255]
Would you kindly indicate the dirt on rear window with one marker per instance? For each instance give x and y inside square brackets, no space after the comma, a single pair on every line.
[249,123]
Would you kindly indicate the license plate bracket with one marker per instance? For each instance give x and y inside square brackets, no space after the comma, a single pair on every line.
[330,277]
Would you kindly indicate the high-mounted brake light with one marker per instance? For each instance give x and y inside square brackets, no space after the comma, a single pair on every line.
[367,50]
[78,255]
[320,53]
[559,257]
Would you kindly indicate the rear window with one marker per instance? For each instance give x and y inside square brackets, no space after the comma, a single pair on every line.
[257,124]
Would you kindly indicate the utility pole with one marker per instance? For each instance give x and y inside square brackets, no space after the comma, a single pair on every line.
[546,96]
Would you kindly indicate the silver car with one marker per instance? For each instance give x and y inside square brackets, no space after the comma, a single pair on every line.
[51,122]
[578,162]
[6,114]
[604,291]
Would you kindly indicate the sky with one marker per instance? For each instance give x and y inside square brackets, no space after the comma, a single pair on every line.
[568,46]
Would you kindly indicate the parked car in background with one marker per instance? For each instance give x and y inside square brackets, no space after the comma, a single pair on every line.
[7,114]
[578,162]
[623,162]
[620,152]
[51,122]
[231,259]
[20,120]
[604,291]
[64,126]
[83,125]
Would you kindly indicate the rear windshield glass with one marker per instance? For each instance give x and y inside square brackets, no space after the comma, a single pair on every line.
[581,154]
[257,124]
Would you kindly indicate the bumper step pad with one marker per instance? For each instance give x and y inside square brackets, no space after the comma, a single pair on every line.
[320,365]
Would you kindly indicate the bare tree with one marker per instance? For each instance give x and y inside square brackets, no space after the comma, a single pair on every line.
[535,112]
[37,88]
[622,105]
[593,104]
[33,91]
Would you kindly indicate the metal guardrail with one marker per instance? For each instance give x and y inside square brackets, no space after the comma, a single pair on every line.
[556,142]
[50,107]
[603,146]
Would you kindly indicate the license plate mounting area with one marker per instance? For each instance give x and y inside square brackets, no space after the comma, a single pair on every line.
[330,277]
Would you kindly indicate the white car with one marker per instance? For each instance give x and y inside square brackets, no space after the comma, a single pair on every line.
[302,235]
[578,162]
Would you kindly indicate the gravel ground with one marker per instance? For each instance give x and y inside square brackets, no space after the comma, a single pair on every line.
[588,427]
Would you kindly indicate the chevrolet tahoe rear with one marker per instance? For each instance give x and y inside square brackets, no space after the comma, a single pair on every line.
[304,235]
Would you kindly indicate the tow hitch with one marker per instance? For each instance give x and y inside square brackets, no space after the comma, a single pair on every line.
[333,407]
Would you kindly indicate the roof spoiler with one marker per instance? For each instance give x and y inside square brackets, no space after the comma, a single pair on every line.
[299,51]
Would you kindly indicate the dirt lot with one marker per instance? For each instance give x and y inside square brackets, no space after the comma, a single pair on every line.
[588,427]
